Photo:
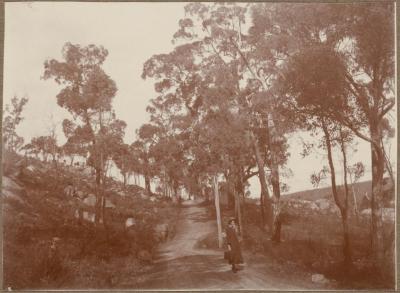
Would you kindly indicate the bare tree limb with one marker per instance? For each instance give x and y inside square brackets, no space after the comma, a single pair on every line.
[387,109]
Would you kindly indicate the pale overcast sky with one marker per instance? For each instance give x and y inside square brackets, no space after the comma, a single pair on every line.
[131,32]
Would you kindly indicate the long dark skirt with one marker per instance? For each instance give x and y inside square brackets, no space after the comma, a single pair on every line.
[233,241]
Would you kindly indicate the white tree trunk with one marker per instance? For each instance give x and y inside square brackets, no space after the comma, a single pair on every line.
[355,207]
[218,212]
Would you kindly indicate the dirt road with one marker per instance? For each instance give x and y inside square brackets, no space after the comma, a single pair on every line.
[183,264]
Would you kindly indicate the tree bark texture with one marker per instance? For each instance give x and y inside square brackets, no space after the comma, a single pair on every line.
[378,165]
[345,209]
[272,147]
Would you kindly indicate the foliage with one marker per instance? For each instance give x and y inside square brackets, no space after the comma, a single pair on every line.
[87,94]
[12,117]
[44,145]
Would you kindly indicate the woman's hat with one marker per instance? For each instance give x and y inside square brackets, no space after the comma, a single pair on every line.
[231,220]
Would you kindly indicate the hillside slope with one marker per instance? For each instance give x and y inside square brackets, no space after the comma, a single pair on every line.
[38,216]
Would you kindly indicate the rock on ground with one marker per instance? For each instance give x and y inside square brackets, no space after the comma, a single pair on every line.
[319,278]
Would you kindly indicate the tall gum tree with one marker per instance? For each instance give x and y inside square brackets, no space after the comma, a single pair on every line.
[361,38]
[87,93]
[195,86]
[219,29]
[373,36]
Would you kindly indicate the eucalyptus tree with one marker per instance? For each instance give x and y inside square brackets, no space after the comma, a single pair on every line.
[87,94]
[73,148]
[356,172]
[250,75]
[44,145]
[194,81]
[75,144]
[373,97]
[125,160]
[352,47]
[147,137]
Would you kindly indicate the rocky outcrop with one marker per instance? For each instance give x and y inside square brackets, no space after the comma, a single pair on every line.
[322,206]
[10,189]
[388,214]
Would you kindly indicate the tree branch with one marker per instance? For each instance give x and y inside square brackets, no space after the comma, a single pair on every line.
[387,109]
[360,95]
[358,133]
[249,175]
[256,76]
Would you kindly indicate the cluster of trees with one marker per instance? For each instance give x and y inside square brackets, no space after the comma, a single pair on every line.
[94,132]
[239,81]
[241,78]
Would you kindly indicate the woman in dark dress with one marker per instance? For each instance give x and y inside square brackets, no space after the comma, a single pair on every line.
[233,245]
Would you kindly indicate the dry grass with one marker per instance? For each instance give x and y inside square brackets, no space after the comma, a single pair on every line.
[87,256]
[313,242]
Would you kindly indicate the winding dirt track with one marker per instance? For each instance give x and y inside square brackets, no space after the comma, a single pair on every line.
[182,264]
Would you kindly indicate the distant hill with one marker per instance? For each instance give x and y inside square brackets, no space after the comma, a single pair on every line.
[360,189]
[324,192]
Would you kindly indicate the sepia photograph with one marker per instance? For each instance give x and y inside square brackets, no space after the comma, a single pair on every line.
[199,146]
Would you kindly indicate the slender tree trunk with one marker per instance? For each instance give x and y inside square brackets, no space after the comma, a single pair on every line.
[231,198]
[387,163]
[124,175]
[98,196]
[128,177]
[263,181]
[355,207]
[345,209]
[346,237]
[331,166]
[242,195]
[262,210]
[238,213]
[378,164]
[164,182]
[147,184]
[273,149]
[218,212]
[341,207]
[103,209]
[276,209]
[239,194]
[205,194]
[11,145]
[99,191]
[175,190]
[169,191]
